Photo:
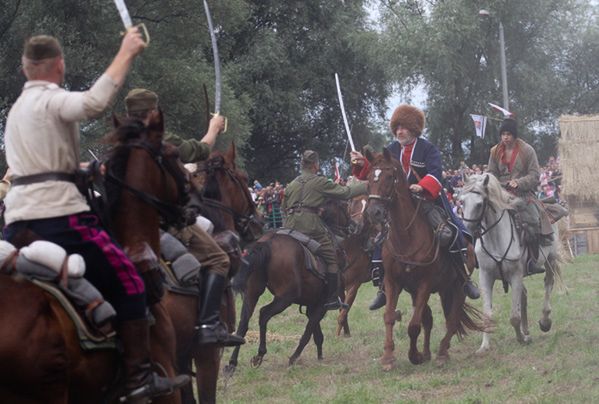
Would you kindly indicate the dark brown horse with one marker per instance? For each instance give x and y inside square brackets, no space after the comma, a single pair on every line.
[277,262]
[228,204]
[414,262]
[41,360]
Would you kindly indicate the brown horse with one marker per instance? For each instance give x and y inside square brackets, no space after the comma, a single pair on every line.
[414,262]
[277,262]
[228,204]
[41,360]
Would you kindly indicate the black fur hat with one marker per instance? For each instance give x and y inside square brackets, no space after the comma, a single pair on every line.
[509,125]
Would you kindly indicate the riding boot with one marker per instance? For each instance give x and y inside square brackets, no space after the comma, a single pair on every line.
[210,329]
[470,289]
[333,301]
[532,265]
[141,383]
[378,273]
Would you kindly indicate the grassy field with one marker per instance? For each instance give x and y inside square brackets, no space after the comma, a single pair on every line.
[559,366]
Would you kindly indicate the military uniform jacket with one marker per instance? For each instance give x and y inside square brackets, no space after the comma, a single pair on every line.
[426,170]
[190,150]
[306,193]
[523,167]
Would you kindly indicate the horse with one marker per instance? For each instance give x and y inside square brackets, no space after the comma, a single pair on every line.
[277,262]
[488,213]
[227,203]
[41,357]
[413,261]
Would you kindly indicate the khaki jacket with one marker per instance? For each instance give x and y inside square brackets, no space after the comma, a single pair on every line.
[190,150]
[525,169]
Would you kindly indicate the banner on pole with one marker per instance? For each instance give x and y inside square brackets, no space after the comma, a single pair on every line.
[480,124]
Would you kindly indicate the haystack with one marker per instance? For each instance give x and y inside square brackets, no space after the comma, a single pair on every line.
[579,156]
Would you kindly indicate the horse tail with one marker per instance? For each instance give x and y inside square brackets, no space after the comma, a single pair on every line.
[259,257]
[468,317]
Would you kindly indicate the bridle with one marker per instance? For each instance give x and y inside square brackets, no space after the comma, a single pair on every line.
[243,220]
[172,213]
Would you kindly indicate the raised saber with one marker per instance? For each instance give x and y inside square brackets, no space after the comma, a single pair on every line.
[126,18]
[351,142]
[217,74]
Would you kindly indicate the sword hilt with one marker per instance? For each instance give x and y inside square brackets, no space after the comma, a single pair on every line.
[144,31]
[226,121]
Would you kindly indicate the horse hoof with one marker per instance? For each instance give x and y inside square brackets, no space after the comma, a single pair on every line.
[545,326]
[416,358]
[229,370]
[482,351]
[387,364]
[426,356]
[526,339]
[441,360]
[256,361]
[292,361]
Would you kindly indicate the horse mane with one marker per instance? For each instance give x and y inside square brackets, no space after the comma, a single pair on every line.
[497,196]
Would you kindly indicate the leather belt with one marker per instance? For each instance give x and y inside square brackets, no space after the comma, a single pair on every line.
[42,177]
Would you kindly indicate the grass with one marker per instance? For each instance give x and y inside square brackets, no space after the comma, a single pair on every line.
[559,366]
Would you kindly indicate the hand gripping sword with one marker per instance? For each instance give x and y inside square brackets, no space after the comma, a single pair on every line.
[351,142]
[124,13]
[217,74]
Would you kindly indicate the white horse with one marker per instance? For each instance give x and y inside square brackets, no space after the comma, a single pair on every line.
[487,209]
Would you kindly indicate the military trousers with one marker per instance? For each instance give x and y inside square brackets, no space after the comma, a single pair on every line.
[327,251]
[204,248]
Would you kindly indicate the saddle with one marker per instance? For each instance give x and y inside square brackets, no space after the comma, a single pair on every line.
[314,263]
[48,267]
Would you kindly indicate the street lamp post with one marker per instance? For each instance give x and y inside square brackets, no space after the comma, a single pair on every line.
[485,13]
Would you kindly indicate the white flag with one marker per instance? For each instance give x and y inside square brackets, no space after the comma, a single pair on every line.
[480,124]
[505,112]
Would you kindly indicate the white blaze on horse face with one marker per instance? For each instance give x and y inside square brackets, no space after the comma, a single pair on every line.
[377,174]
[363,205]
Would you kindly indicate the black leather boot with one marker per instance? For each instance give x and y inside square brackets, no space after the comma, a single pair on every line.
[141,383]
[333,301]
[210,329]
[377,274]
[532,265]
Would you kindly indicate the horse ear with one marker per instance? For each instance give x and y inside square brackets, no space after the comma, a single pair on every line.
[387,154]
[486,182]
[231,152]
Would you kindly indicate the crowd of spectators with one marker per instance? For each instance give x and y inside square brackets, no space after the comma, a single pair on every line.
[268,201]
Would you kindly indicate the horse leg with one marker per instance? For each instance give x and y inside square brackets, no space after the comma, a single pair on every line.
[486,281]
[250,299]
[524,316]
[427,324]
[207,361]
[318,340]
[545,321]
[314,314]
[420,301]
[342,322]
[516,314]
[392,292]
[266,313]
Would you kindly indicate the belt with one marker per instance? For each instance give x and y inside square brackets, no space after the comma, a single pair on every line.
[300,209]
[42,177]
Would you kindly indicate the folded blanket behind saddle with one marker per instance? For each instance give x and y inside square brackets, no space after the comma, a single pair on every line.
[48,262]
[183,264]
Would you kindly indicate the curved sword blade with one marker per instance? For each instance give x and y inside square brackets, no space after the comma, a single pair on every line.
[351,142]
[217,75]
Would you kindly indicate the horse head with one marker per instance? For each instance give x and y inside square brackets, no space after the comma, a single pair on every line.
[335,214]
[384,180]
[226,189]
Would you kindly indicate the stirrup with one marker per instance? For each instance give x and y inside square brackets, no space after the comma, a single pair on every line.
[336,305]
[217,334]
[156,387]
[533,268]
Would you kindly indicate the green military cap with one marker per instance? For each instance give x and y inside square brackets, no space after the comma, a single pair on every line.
[310,157]
[41,47]
[140,99]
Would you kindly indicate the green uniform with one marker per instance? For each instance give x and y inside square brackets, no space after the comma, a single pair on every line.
[190,150]
[302,198]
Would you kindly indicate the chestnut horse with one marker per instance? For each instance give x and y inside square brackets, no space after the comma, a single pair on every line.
[414,261]
[229,205]
[41,360]
[277,262]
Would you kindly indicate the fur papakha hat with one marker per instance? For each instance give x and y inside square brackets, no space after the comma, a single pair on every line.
[140,99]
[40,47]
[409,117]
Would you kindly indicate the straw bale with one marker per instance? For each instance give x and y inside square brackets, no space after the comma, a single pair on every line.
[579,156]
